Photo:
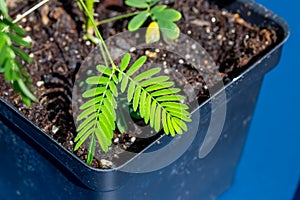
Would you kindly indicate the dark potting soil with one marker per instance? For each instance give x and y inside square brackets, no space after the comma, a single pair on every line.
[58,51]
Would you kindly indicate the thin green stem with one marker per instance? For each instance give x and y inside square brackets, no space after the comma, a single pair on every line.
[117,18]
[103,46]
[89,25]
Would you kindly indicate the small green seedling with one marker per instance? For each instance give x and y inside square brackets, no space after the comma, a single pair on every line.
[163,19]
[11,39]
[150,94]
[89,29]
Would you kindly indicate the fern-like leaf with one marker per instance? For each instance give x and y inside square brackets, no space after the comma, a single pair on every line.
[98,114]
[158,103]
[11,39]
[150,94]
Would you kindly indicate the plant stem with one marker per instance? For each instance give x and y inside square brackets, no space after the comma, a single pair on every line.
[103,46]
[117,18]
[89,25]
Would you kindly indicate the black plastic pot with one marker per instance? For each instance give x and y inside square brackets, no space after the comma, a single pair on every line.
[35,166]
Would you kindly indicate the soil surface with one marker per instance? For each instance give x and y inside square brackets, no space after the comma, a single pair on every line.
[56,31]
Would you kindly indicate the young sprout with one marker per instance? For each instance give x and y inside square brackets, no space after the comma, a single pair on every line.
[150,94]
[162,18]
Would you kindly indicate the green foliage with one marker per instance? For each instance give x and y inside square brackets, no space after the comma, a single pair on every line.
[99,112]
[11,39]
[151,96]
[152,103]
[162,20]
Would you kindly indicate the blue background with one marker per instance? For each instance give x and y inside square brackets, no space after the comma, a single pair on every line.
[270,164]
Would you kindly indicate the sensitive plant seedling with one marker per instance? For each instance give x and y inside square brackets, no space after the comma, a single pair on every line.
[152,98]
[162,18]
[157,102]
[11,39]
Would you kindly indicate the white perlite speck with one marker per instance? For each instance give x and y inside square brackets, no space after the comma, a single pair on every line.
[106,163]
